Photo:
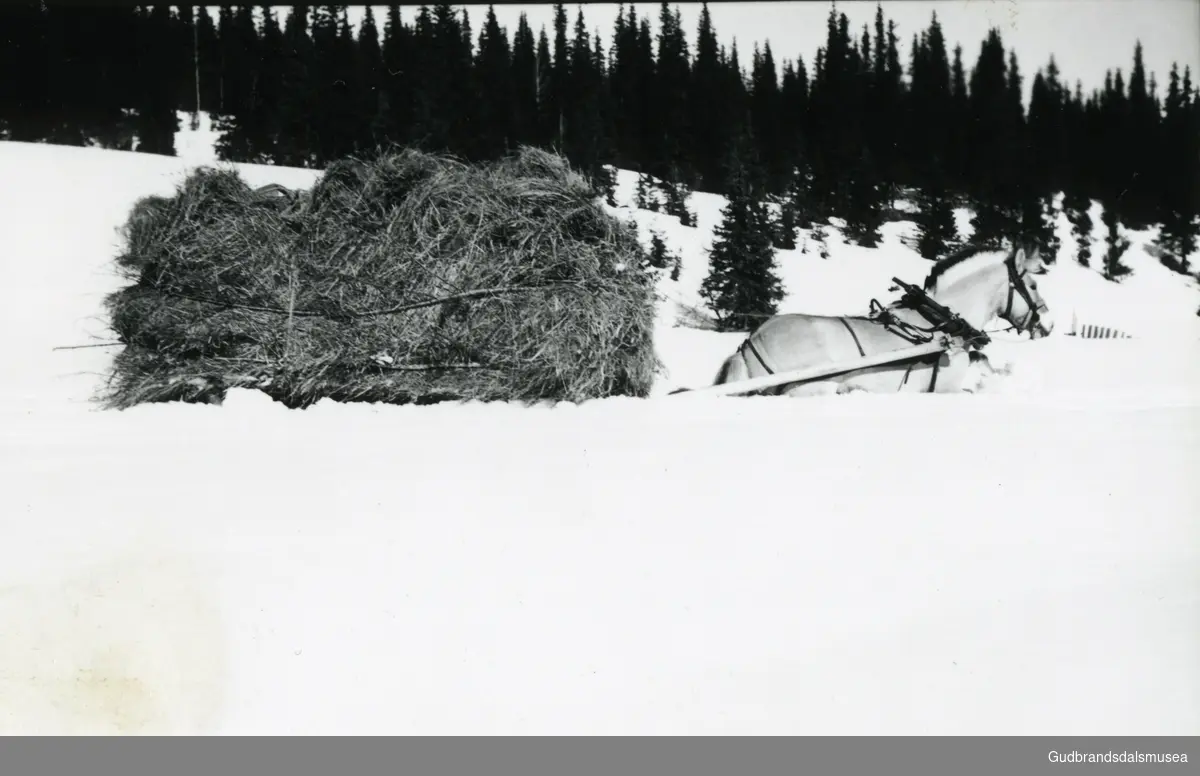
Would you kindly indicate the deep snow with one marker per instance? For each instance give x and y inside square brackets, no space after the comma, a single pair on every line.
[1021,561]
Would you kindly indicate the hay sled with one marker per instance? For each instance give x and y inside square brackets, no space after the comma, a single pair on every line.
[408,278]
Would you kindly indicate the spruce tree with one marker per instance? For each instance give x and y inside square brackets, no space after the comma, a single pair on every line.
[742,287]
[370,74]
[766,114]
[398,49]
[547,118]
[799,194]
[69,75]
[1077,208]
[267,85]
[296,142]
[646,195]
[863,214]
[884,100]
[523,111]
[583,113]
[209,64]
[793,98]
[353,124]
[958,151]
[604,174]
[709,128]
[937,231]
[622,79]
[1178,164]
[645,89]
[186,37]
[157,121]
[657,257]
[242,134]
[559,97]
[1117,243]
[1139,202]
[785,224]
[495,131]
[995,131]
[669,132]
[675,196]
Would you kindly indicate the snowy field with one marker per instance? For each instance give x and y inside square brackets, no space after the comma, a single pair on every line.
[1025,560]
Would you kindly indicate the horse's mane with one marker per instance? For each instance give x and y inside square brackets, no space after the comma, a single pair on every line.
[965,253]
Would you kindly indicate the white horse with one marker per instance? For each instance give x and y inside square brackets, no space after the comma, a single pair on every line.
[977,283]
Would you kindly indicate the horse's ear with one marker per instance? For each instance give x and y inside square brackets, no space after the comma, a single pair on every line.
[1028,258]
[1034,263]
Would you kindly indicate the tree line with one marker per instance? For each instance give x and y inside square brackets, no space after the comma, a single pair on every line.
[846,135]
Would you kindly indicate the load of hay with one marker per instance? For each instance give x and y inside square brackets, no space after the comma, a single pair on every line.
[405,278]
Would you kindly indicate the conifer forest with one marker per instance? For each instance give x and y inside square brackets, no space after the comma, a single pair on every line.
[846,132]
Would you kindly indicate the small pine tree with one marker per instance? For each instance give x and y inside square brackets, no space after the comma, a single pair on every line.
[1076,206]
[675,199]
[1117,245]
[676,267]
[604,184]
[820,236]
[991,223]
[936,228]
[1178,162]
[645,197]
[864,215]
[1049,231]
[659,256]
[742,288]
[1178,236]
[1038,216]
[785,224]
[799,196]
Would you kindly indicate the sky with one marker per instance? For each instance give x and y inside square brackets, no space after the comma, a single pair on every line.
[1085,37]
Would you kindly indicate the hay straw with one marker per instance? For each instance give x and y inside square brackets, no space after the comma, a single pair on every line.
[406,278]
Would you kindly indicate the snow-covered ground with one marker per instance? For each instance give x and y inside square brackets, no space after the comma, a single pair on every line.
[1021,561]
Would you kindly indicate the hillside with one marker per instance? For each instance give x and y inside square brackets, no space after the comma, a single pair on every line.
[1023,562]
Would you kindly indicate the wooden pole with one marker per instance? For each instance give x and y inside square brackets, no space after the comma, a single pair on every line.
[816,372]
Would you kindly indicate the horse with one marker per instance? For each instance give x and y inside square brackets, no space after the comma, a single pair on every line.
[978,283]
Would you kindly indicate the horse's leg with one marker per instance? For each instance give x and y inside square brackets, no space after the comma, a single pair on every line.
[954,372]
[981,371]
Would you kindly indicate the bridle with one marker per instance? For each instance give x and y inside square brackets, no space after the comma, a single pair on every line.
[1016,285]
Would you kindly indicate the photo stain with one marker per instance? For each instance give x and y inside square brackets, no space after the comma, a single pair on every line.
[130,646]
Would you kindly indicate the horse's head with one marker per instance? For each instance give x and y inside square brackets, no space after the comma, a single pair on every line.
[984,281]
[1023,306]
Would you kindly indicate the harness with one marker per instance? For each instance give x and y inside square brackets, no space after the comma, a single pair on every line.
[942,321]
[1016,282]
